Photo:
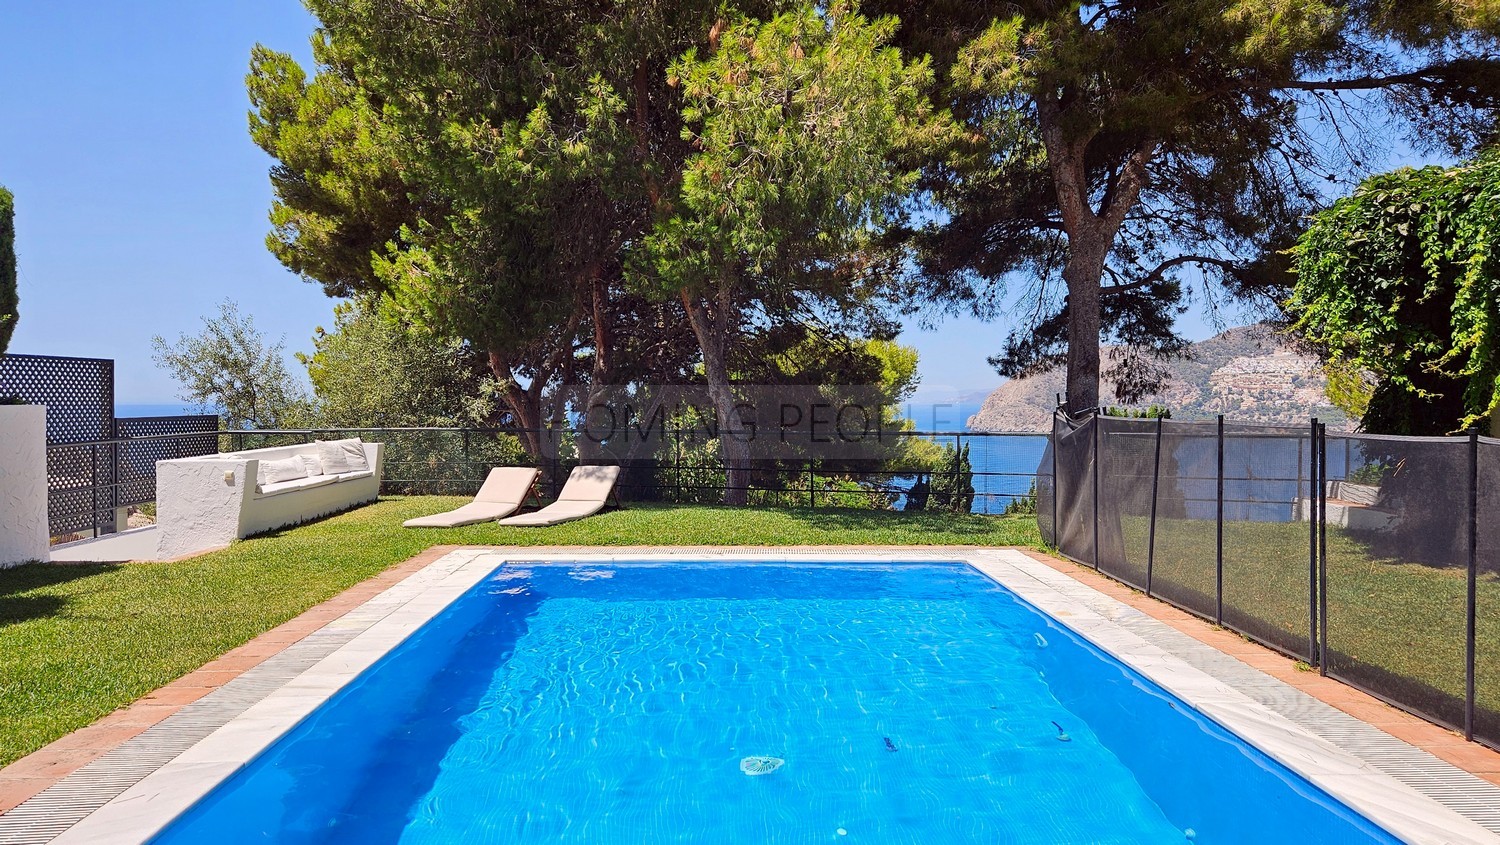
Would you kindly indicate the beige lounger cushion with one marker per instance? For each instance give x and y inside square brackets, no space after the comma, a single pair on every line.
[508,485]
[555,513]
[503,492]
[466,515]
[584,495]
[589,484]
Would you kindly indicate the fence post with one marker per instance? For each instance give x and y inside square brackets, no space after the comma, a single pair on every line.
[116,518]
[1323,548]
[958,443]
[1310,513]
[94,488]
[1473,578]
[1056,529]
[812,486]
[1219,535]
[677,463]
[1095,504]
[1151,528]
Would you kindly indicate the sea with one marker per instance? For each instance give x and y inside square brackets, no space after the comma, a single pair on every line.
[149,409]
[1004,465]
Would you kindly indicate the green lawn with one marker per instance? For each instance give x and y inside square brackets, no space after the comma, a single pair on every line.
[1393,626]
[79,641]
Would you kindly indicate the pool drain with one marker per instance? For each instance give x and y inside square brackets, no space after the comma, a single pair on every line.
[754,766]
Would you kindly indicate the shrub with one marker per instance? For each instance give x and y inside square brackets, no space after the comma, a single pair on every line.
[1023,505]
[953,481]
[1149,413]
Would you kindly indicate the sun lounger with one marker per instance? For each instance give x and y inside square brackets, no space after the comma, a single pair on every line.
[506,489]
[587,491]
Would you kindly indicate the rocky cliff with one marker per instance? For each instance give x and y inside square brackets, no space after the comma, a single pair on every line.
[1248,374]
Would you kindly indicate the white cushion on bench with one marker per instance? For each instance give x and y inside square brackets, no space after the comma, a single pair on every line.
[263,490]
[340,457]
[282,470]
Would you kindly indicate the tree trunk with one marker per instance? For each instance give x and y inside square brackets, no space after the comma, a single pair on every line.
[522,406]
[733,447]
[1091,234]
[599,375]
[1083,274]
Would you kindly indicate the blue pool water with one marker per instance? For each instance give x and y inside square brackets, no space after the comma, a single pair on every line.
[911,703]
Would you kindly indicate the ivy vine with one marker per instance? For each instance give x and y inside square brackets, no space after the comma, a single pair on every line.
[1402,279]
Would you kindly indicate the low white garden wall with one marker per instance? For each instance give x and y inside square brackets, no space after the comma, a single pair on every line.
[212,500]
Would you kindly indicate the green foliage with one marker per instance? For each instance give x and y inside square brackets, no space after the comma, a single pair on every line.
[376,193]
[794,126]
[230,369]
[374,371]
[1022,505]
[1349,388]
[490,170]
[793,122]
[1402,280]
[1150,412]
[817,359]
[1373,474]
[340,193]
[8,297]
[953,482]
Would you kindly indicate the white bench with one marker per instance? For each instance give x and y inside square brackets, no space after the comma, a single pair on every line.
[208,501]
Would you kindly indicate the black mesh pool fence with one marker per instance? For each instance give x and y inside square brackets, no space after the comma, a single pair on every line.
[1375,559]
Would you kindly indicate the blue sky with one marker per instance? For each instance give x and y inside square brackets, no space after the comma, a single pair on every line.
[141,202]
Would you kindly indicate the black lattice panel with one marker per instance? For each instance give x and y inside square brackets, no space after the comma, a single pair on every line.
[177,437]
[79,393]
[78,492]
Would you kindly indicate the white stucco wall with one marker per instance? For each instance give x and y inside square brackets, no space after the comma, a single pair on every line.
[23,484]
[198,502]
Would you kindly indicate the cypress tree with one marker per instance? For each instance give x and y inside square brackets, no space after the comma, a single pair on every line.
[8,296]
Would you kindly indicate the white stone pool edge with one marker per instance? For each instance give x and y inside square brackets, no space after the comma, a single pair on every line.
[388,619]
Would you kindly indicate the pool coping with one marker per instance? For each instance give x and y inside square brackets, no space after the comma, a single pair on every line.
[147,779]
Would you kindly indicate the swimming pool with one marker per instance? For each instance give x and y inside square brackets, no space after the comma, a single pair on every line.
[625,702]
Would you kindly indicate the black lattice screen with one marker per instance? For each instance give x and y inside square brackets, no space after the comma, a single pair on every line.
[136,468]
[87,476]
[79,393]
[80,495]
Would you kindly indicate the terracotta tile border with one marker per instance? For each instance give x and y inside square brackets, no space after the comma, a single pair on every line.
[1442,743]
[37,771]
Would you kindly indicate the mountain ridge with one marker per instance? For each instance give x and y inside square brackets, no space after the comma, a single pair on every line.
[1248,374]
